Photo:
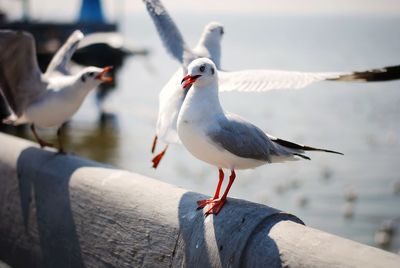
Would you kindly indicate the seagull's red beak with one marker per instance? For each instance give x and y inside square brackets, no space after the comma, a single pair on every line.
[188,80]
[102,76]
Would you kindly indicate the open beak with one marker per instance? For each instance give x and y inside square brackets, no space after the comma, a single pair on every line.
[188,80]
[102,76]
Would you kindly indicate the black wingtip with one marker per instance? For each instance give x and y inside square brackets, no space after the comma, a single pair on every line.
[330,151]
[296,146]
[376,75]
[302,156]
[308,148]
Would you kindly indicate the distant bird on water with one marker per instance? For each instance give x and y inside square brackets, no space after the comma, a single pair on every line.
[171,96]
[223,139]
[48,99]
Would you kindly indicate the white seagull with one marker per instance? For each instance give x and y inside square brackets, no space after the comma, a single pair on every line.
[223,139]
[48,99]
[171,96]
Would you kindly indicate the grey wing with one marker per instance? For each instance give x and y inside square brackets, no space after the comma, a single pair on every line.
[20,77]
[63,56]
[168,31]
[244,139]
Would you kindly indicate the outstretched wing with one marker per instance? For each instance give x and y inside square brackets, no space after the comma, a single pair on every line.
[20,77]
[264,80]
[168,31]
[63,56]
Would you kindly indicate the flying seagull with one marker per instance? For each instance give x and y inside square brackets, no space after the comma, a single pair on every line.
[48,99]
[223,139]
[171,96]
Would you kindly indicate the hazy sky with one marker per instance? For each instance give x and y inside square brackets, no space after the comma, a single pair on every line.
[67,10]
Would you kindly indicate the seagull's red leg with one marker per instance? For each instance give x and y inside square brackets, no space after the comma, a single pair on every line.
[156,160]
[220,180]
[203,203]
[41,142]
[153,147]
[216,205]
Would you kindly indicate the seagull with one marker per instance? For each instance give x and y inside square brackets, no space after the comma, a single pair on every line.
[172,96]
[222,139]
[43,99]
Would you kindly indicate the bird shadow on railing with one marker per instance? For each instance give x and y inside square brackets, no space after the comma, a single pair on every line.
[236,237]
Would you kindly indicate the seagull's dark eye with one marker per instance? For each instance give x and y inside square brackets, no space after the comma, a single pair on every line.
[222,31]
[83,78]
[202,68]
[212,70]
[91,73]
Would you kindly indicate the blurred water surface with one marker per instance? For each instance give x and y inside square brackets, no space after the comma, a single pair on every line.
[360,120]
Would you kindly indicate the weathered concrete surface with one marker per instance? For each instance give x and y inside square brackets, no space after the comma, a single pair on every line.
[65,211]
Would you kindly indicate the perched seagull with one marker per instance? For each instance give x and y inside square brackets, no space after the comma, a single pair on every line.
[48,99]
[172,96]
[223,139]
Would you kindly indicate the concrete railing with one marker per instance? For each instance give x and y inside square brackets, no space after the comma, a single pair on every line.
[65,211]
